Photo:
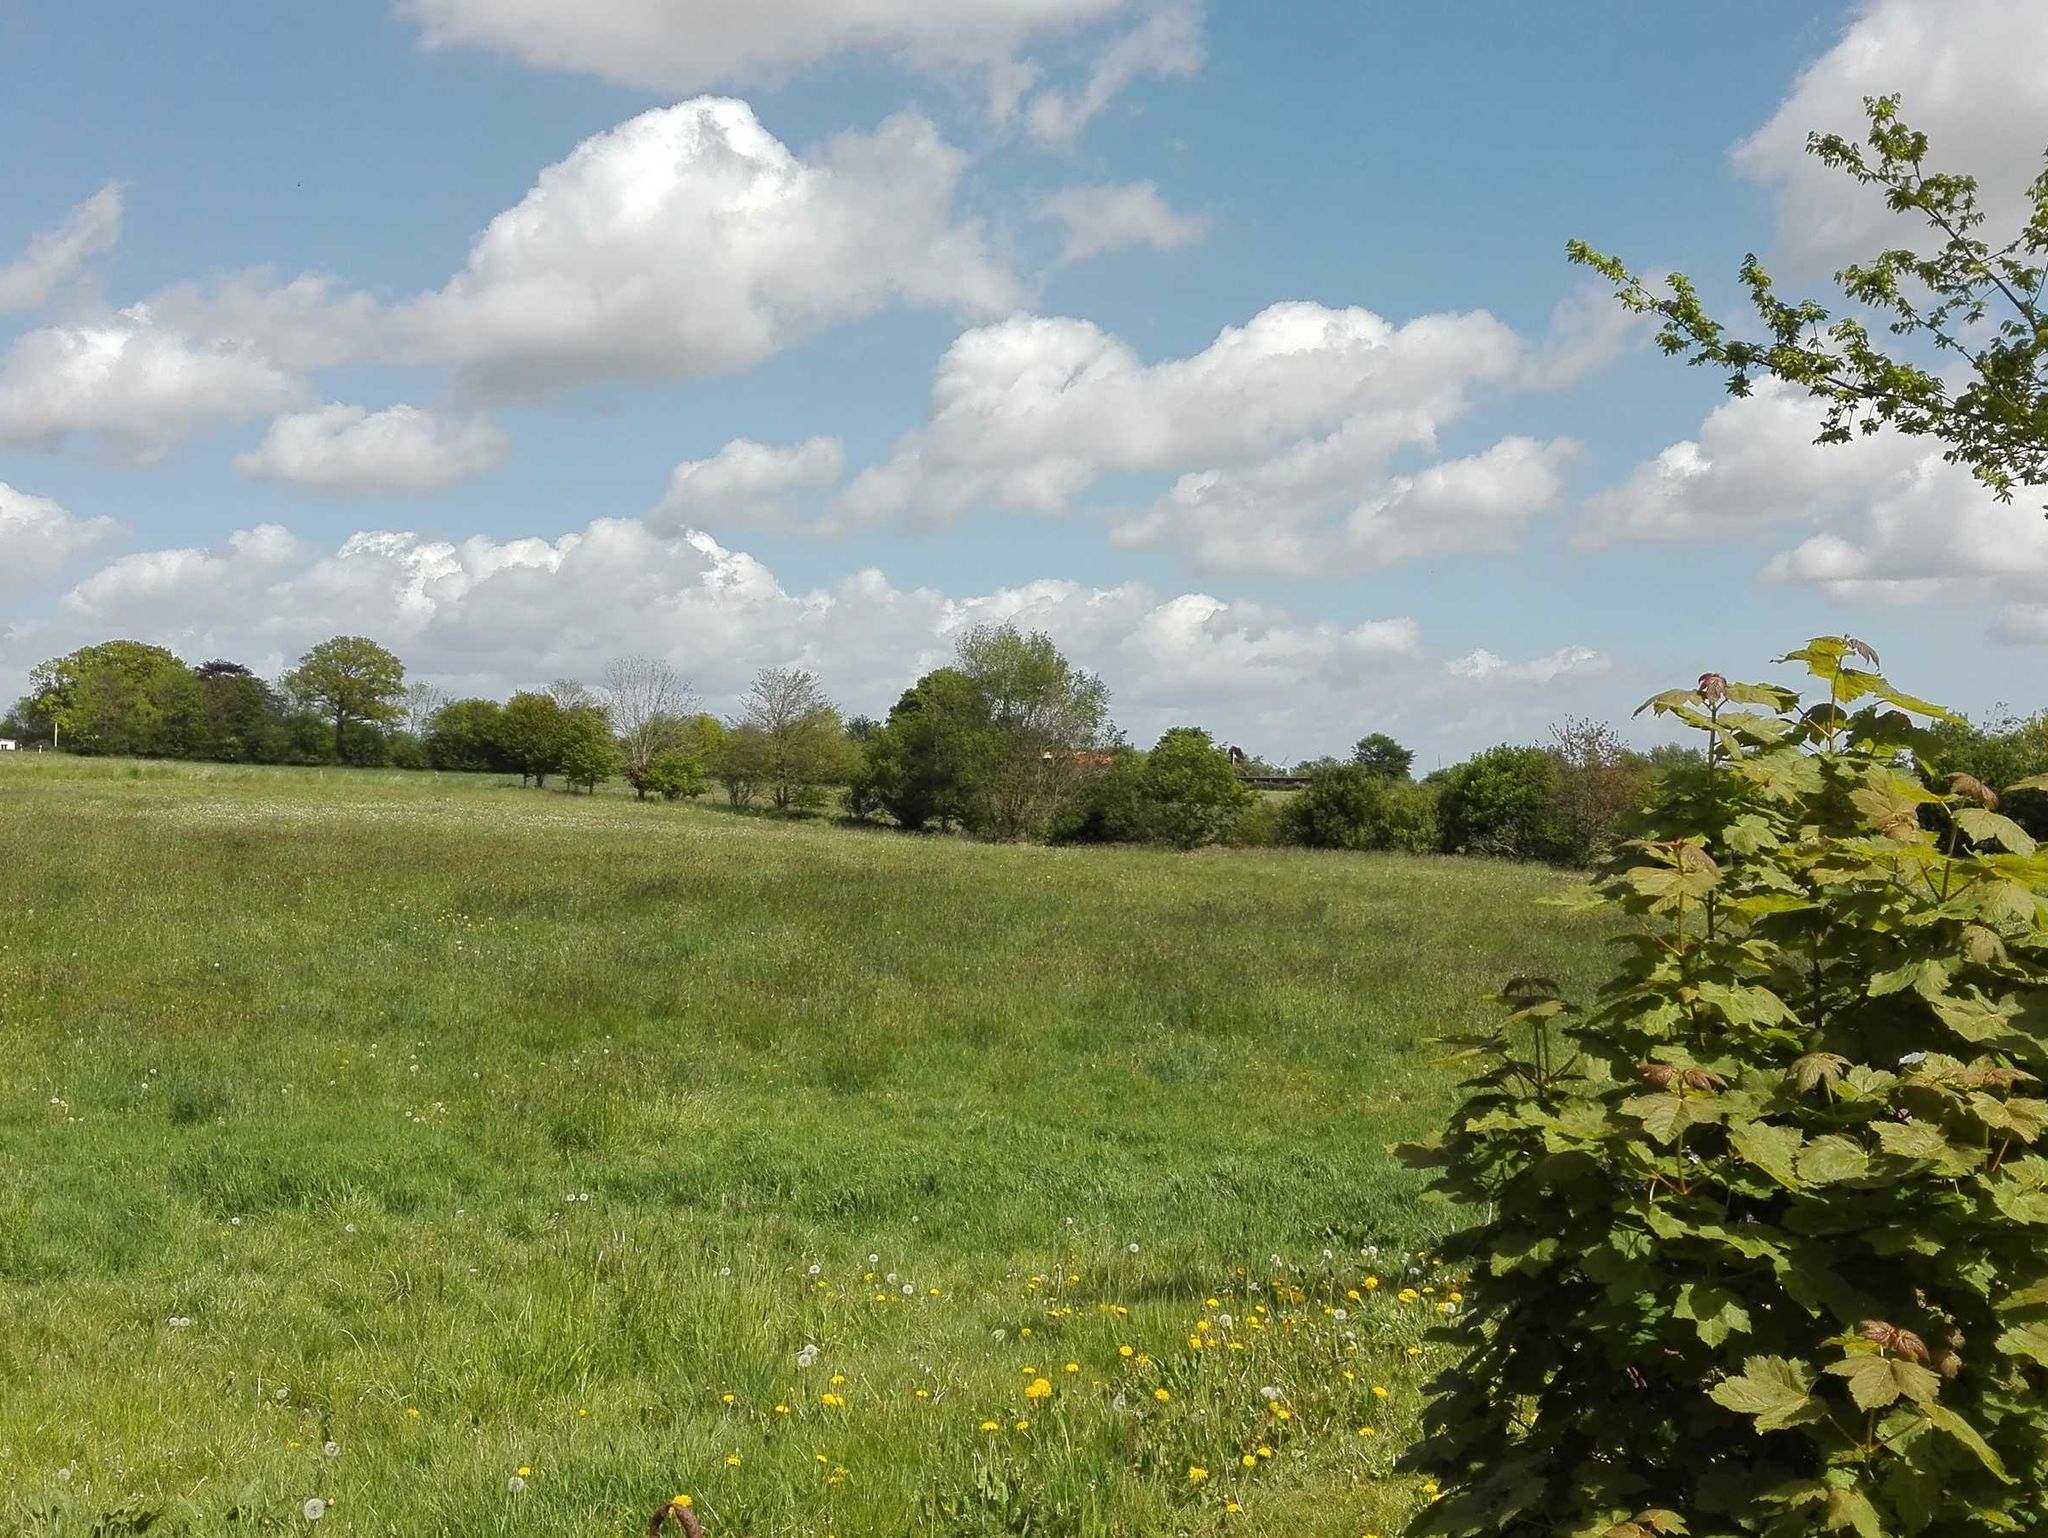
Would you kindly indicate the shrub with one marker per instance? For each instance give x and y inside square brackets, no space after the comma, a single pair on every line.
[671,776]
[1759,1237]
[1503,802]
[1107,807]
[1260,825]
[1354,807]
[1189,790]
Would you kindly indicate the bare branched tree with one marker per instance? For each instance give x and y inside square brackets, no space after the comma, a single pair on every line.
[648,702]
[422,703]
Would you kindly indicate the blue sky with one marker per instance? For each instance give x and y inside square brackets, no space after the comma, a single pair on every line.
[401,320]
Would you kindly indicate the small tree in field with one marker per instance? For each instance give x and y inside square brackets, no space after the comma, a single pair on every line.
[589,751]
[1761,1237]
[350,678]
[1380,755]
[1189,791]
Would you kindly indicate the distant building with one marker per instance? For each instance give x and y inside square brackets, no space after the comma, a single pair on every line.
[9,745]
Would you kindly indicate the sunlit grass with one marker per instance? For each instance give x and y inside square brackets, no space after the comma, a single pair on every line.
[471,1129]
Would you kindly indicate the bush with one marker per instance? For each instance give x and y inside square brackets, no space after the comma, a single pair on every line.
[1260,824]
[1504,803]
[1108,807]
[1355,807]
[1758,1234]
[672,776]
[1189,790]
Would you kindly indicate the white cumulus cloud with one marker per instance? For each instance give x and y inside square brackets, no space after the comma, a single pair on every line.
[689,45]
[745,482]
[55,255]
[1969,76]
[690,240]
[1882,520]
[1165,44]
[130,384]
[1282,436]
[37,536]
[1104,218]
[353,451]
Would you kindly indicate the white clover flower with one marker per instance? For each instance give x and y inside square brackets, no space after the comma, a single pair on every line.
[816,1269]
[1269,1393]
[179,1321]
[1273,1260]
[314,1509]
[330,1449]
[1132,1246]
[282,1395]
[874,1260]
[725,1270]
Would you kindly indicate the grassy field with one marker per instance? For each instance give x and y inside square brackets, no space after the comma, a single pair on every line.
[469,1159]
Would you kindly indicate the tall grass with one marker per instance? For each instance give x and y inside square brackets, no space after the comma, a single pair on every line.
[470,1128]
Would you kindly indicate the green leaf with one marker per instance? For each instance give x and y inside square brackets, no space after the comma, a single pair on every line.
[1776,1392]
[1833,1158]
[1876,1381]
[1715,1311]
[1947,1420]
[1974,1017]
[1665,1116]
[1985,827]
[1771,1148]
[1850,1508]
[2028,1340]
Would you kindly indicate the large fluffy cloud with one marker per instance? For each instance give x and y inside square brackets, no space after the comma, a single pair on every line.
[744,482]
[131,384]
[1969,73]
[691,240]
[1880,520]
[56,254]
[353,451]
[37,536]
[492,615]
[1282,433]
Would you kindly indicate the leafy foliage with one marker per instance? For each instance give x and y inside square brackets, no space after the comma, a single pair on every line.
[1354,806]
[1977,303]
[1504,802]
[1383,756]
[1760,1237]
[349,678]
[1190,790]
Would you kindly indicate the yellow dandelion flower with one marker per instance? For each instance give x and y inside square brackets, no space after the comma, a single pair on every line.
[726,1398]
[1073,1367]
[732,1460]
[1038,1388]
[1265,1451]
[525,1472]
[1249,1461]
[990,1426]
[838,1378]
[1367,1431]
[1161,1395]
[1372,1284]
[1282,1413]
[681,1502]
[1232,1507]
[924,1393]
[782,1409]
[1196,1473]
[1125,1351]
[1023,1425]
[1379,1391]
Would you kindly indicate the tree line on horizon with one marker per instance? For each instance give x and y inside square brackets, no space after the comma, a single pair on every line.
[1009,741]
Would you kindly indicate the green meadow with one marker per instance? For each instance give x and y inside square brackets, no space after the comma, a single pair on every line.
[402,1154]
